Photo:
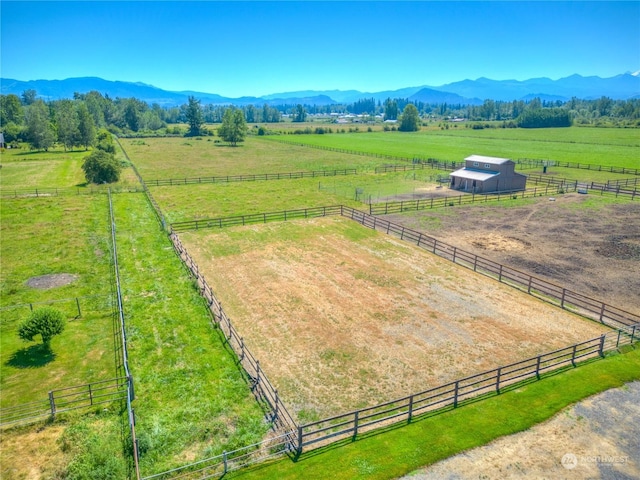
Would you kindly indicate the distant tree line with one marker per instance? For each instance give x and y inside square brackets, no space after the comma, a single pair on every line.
[74,123]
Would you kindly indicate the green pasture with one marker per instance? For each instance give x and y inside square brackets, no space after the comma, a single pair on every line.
[597,146]
[55,168]
[191,398]
[179,158]
[243,198]
[51,236]
[402,449]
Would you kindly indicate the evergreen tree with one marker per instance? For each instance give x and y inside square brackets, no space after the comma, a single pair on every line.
[195,119]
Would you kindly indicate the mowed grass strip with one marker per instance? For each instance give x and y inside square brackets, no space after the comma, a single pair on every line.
[45,236]
[617,147]
[179,158]
[192,401]
[402,449]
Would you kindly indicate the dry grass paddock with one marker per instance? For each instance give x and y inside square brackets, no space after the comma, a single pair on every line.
[343,317]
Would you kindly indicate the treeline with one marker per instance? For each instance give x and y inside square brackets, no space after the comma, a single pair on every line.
[74,122]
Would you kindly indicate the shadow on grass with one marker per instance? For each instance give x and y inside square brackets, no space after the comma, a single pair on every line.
[35,356]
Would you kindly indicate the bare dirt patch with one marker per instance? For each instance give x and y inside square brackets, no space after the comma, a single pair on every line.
[31,453]
[597,438]
[584,243]
[342,317]
[46,282]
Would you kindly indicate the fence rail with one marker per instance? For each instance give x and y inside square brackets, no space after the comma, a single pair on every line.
[452,395]
[251,178]
[554,294]
[464,199]
[64,400]
[62,191]
[256,218]
[219,465]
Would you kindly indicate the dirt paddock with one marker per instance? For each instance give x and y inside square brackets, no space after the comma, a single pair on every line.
[343,317]
[585,243]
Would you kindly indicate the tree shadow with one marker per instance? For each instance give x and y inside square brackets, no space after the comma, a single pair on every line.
[34,356]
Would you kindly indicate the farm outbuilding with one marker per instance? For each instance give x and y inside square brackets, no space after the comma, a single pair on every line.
[487,174]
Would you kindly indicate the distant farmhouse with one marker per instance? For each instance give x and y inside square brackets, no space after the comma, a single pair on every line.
[487,174]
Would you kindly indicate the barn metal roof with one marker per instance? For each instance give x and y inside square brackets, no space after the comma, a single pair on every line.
[473,174]
[491,160]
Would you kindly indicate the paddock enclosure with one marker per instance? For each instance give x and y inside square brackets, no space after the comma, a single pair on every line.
[344,317]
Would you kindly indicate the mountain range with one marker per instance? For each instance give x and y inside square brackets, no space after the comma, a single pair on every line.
[623,87]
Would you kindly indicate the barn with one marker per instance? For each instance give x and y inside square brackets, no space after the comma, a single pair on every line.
[487,174]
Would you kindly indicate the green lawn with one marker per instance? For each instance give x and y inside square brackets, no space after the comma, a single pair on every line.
[402,449]
[598,146]
[51,236]
[191,398]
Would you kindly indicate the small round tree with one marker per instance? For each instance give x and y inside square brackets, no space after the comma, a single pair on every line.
[46,322]
[101,167]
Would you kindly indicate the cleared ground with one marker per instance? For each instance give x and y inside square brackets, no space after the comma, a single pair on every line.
[593,439]
[586,243]
[342,317]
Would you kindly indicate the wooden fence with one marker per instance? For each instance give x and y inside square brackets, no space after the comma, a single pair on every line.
[540,288]
[256,218]
[219,465]
[464,199]
[262,388]
[65,400]
[63,191]
[454,394]
[251,178]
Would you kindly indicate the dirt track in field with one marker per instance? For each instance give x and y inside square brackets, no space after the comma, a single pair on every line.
[573,240]
[341,323]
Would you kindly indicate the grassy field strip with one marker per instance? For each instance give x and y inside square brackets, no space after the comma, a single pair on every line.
[566,146]
[188,157]
[191,401]
[402,449]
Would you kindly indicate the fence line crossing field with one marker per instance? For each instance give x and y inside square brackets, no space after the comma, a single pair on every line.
[343,317]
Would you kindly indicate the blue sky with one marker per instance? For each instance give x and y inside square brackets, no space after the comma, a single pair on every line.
[258,48]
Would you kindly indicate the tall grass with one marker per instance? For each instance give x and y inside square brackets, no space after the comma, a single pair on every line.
[192,398]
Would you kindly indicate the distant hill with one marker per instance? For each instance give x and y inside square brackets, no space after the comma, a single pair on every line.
[625,86]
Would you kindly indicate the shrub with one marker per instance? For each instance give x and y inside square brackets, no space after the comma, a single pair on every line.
[101,167]
[46,322]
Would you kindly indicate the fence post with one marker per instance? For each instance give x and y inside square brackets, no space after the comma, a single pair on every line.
[475,262]
[257,372]
[539,359]
[90,395]
[224,459]
[573,355]
[52,404]
[500,274]
[564,291]
[618,340]
[498,380]
[241,349]
[275,410]
[355,424]
[410,409]
[299,447]
[633,333]
[455,395]
[601,349]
